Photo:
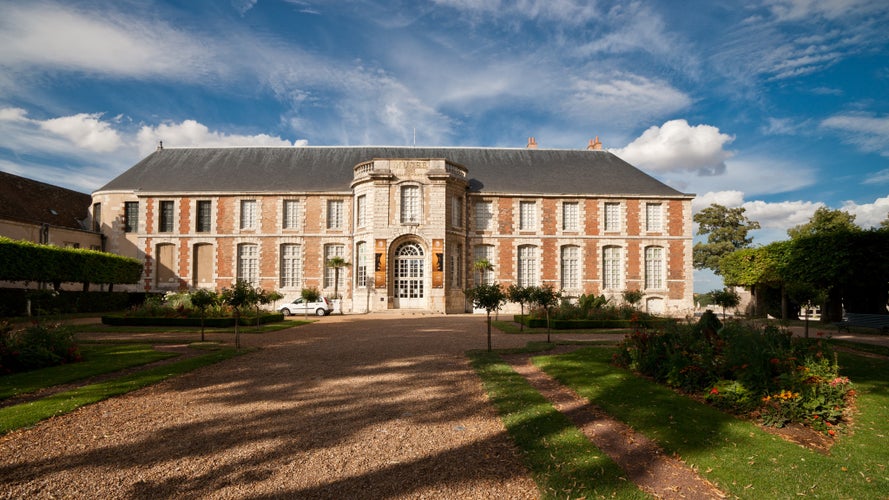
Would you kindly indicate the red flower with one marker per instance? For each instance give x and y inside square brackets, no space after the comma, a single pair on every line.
[714,391]
[774,361]
[832,432]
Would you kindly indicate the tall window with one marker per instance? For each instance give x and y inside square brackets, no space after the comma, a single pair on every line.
[131,217]
[457,211]
[654,267]
[204,220]
[612,216]
[361,264]
[291,265]
[165,220]
[570,216]
[484,252]
[410,204]
[527,266]
[484,215]
[334,214]
[570,267]
[361,211]
[97,216]
[527,216]
[654,218]
[248,214]
[248,263]
[291,214]
[331,251]
[611,268]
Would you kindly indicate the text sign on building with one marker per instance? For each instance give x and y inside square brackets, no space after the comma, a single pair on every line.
[437,263]
[380,264]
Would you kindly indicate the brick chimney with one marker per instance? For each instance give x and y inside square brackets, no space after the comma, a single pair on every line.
[532,143]
[594,145]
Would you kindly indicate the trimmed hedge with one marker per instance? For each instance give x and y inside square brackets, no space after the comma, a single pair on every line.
[590,324]
[27,261]
[121,320]
[14,301]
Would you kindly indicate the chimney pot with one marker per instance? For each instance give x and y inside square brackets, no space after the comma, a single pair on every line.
[594,145]
[532,143]
[160,145]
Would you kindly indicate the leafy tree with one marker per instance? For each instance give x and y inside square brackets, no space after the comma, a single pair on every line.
[202,299]
[825,221]
[633,297]
[522,295]
[337,263]
[885,223]
[725,298]
[726,230]
[487,297]
[546,297]
[239,297]
[309,295]
[482,266]
[758,269]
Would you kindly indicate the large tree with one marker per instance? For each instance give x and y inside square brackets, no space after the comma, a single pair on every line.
[726,230]
[825,221]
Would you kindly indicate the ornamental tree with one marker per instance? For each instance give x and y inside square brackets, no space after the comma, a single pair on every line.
[488,297]
[726,229]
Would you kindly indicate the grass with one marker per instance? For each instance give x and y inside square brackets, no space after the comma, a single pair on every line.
[97,359]
[563,462]
[28,414]
[734,454]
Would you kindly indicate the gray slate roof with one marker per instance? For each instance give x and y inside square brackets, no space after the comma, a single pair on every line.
[321,168]
[35,202]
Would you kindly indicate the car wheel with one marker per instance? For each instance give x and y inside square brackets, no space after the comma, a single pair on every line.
[320,312]
[285,312]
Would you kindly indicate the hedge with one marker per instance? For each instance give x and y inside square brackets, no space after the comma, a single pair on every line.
[14,301]
[216,322]
[32,262]
[577,324]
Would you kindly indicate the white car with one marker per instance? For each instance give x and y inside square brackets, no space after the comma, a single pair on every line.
[321,307]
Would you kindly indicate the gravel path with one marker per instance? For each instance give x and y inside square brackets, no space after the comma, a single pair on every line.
[349,407]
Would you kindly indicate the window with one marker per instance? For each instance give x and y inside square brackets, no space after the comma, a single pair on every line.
[457,211]
[291,265]
[248,214]
[248,263]
[361,211]
[527,216]
[131,217]
[291,214]
[654,267]
[361,264]
[457,265]
[165,219]
[527,267]
[204,221]
[570,267]
[97,216]
[410,204]
[654,220]
[485,252]
[334,214]
[612,216]
[570,216]
[484,215]
[611,266]
[331,251]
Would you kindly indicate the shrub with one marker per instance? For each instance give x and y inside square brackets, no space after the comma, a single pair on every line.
[37,346]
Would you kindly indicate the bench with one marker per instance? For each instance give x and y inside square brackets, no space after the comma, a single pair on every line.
[878,321]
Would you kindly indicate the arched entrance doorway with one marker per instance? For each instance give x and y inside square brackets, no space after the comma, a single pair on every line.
[410,279]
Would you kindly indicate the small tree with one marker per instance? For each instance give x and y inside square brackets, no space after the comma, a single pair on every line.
[337,263]
[546,297]
[309,295]
[202,299]
[633,297]
[482,266]
[264,298]
[520,294]
[725,298]
[487,297]
[238,297]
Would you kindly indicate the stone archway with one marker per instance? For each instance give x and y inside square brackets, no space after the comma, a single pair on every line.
[409,276]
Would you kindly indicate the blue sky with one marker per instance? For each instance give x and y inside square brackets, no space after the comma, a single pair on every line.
[777,106]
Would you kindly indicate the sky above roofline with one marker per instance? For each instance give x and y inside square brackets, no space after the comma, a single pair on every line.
[777,106]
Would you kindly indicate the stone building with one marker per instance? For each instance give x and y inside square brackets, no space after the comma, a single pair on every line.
[410,221]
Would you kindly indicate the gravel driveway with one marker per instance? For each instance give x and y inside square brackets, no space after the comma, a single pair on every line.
[377,406]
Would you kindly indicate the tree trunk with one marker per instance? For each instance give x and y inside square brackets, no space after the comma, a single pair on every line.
[489,331]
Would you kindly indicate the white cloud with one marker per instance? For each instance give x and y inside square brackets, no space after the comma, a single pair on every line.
[625,98]
[190,133]
[729,199]
[805,10]
[780,215]
[869,214]
[747,175]
[86,131]
[568,11]
[678,147]
[73,136]
[868,132]
[880,177]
